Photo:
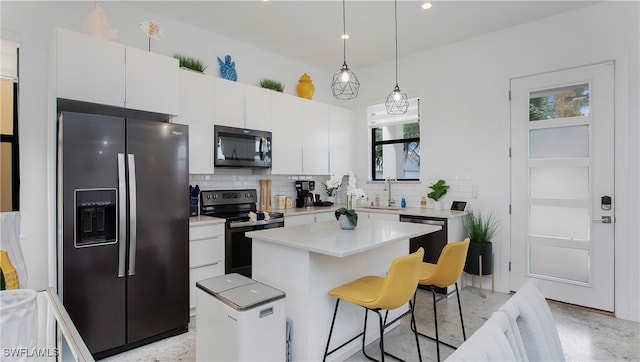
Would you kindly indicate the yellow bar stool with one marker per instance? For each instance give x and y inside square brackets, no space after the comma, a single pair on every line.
[444,273]
[376,293]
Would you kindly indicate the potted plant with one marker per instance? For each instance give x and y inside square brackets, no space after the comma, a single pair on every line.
[272,84]
[347,217]
[190,63]
[481,230]
[331,186]
[439,189]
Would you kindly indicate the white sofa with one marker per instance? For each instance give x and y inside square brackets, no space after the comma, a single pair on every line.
[523,329]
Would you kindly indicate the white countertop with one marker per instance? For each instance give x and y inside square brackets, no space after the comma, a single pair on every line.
[329,239]
[416,211]
[413,211]
[202,220]
[306,210]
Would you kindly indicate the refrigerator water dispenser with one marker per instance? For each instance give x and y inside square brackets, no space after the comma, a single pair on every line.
[96,216]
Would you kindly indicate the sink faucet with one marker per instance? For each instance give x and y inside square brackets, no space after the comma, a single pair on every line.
[387,187]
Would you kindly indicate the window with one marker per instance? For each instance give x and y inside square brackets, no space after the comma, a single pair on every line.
[9,161]
[395,142]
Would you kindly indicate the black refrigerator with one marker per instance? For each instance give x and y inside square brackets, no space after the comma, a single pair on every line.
[123,229]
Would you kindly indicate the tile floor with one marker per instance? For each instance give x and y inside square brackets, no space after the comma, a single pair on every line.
[585,335]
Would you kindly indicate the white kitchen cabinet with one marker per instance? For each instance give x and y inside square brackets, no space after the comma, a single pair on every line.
[196,110]
[93,70]
[257,108]
[326,216]
[315,134]
[341,125]
[381,216]
[292,220]
[151,82]
[206,255]
[229,103]
[89,69]
[287,138]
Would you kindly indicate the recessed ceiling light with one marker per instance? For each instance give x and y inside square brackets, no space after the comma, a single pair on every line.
[426,5]
[344,36]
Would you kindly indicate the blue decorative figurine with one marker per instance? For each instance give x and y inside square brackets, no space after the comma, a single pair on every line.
[228,68]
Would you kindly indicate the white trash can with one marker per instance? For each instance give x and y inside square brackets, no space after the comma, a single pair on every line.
[19,321]
[242,323]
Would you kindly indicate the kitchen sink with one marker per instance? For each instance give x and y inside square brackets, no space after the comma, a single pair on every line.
[381,207]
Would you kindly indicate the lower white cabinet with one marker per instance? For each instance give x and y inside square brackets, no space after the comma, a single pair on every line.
[206,255]
[381,216]
[326,216]
[292,220]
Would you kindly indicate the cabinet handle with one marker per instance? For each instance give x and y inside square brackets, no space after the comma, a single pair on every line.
[206,237]
[203,265]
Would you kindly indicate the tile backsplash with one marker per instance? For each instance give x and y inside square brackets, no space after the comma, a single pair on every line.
[460,188]
[231,179]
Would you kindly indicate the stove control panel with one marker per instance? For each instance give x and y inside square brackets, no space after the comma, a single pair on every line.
[228,197]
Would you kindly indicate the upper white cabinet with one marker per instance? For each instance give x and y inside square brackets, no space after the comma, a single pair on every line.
[257,104]
[287,137]
[89,69]
[315,135]
[151,82]
[242,106]
[196,110]
[229,103]
[341,142]
[93,70]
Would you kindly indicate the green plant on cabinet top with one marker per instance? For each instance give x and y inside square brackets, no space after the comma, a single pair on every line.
[190,63]
[272,84]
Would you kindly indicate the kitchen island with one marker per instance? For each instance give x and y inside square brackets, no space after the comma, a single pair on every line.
[306,261]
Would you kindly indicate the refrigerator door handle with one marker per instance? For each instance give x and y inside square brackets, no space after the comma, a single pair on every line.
[122,212]
[132,214]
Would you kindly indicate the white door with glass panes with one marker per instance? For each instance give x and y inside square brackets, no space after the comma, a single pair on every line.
[562,185]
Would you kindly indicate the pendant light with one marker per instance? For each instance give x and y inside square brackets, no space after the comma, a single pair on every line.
[397,102]
[345,84]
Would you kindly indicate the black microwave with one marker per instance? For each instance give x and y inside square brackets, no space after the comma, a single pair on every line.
[240,147]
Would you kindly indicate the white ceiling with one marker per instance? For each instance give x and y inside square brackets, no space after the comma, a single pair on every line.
[309,31]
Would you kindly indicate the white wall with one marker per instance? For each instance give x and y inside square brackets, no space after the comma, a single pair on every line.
[463,90]
[31,24]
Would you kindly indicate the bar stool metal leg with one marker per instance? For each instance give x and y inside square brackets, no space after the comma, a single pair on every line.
[435,320]
[333,321]
[464,335]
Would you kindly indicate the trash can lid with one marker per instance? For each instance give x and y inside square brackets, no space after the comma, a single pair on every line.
[250,296]
[221,283]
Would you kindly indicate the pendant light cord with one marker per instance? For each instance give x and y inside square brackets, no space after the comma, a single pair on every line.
[344,34]
[396,31]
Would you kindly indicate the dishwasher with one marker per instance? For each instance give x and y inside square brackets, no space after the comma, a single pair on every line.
[432,243]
